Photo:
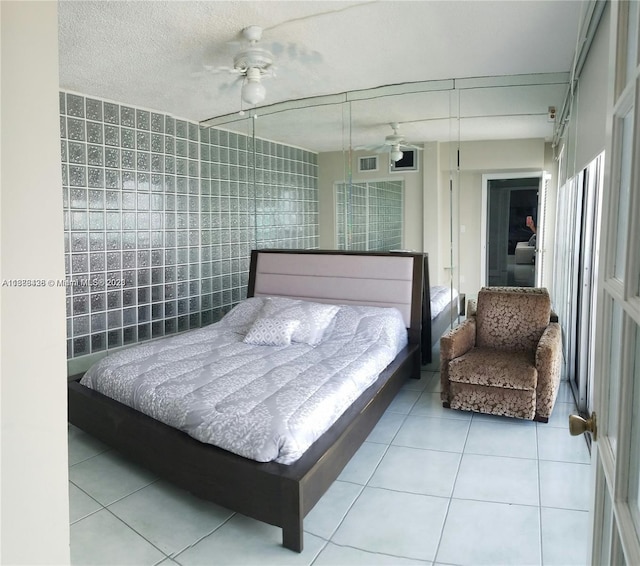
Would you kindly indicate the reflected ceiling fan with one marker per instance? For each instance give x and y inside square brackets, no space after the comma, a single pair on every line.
[393,143]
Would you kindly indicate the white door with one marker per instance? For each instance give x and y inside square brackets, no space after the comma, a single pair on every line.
[616,451]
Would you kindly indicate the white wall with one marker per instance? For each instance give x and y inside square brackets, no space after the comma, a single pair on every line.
[34,505]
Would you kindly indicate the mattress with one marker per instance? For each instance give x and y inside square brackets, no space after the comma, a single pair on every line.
[266,403]
[441,298]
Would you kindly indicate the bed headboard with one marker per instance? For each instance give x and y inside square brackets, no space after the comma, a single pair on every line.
[381,279]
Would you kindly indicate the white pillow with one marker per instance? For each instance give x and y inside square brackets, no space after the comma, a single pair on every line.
[244,314]
[272,331]
[314,318]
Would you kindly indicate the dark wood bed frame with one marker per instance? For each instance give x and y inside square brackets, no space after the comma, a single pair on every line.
[434,328]
[277,494]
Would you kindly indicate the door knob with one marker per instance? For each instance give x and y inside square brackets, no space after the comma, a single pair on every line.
[579,425]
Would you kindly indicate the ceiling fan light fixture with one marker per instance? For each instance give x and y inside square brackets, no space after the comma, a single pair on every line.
[396,154]
[253,91]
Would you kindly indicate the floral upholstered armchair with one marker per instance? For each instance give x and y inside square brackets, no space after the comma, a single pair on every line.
[505,358]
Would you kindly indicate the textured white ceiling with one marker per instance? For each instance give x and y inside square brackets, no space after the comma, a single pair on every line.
[154,55]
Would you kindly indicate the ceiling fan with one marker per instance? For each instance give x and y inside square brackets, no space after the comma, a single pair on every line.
[393,143]
[252,63]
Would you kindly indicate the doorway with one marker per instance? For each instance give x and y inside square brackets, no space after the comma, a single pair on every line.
[511,214]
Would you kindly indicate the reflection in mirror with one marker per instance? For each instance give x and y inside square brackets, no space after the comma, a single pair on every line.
[466,128]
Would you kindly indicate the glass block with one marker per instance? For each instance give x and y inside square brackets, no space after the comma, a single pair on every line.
[181,129]
[170,221]
[128,260]
[81,325]
[81,346]
[129,277]
[76,153]
[144,278]
[157,256]
[170,291]
[157,329]
[112,135]
[143,183]
[157,293]
[75,129]
[143,161]
[157,163]
[144,332]
[156,183]
[111,113]
[183,255]
[157,122]
[170,326]
[157,275]
[144,221]
[78,198]
[129,316]
[63,127]
[127,159]
[114,300]
[96,220]
[80,304]
[156,221]
[143,141]
[112,179]
[157,311]
[96,177]
[143,119]
[112,157]
[144,258]
[114,338]
[98,302]
[129,336]
[144,313]
[143,201]
[182,287]
[169,184]
[128,240]
[182,169]
[75,105]
[97,262]
[77,176]
[94,133]
[183,306]
[129,297]
[157,239]
[79,220]
[94,109]
[170,257]
[127,116]
[98,342]
[181,148]
[157,143]
[79,263]
[96,199]
[144,240]
[114,319]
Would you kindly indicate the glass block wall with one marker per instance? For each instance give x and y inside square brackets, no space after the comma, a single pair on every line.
[161,214]
[369,215]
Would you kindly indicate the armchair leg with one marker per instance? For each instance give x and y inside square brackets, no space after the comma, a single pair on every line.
[541,419]
[446,404]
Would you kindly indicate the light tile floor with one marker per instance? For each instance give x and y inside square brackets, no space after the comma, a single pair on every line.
[429,486]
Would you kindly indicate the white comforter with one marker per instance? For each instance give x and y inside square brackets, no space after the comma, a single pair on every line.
[267,403]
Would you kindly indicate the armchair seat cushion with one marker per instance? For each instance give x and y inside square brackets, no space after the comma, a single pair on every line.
[495,368]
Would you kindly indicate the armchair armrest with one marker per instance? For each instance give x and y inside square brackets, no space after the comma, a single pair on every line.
[454,344]
[548,364]
[472,305]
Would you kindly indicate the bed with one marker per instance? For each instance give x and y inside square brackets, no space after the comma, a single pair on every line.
[440,308]
[277,493]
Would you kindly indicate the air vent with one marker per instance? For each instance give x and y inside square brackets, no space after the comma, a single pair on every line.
[368,163]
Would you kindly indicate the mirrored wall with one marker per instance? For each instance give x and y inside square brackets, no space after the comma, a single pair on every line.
[172,208]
